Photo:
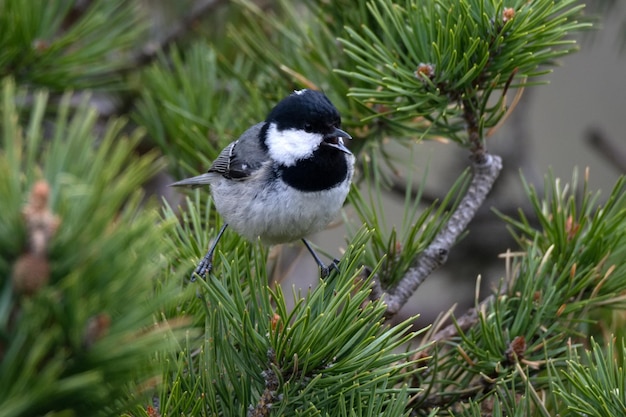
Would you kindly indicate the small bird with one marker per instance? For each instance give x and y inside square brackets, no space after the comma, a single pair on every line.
[284,178]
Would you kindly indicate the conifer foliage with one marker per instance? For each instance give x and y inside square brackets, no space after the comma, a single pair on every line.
[97,316]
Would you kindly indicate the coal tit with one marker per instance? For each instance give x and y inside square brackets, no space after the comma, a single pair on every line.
[284,178]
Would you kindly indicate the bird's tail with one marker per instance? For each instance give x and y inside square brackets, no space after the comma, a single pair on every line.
[197,181]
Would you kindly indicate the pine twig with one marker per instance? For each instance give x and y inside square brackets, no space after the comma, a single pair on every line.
[75,13]
[606,147]
[486,170]
[464,322]
[268,397]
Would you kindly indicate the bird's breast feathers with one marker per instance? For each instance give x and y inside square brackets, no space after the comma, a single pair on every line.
[274,211]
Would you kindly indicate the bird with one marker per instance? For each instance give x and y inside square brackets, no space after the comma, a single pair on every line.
[284,178]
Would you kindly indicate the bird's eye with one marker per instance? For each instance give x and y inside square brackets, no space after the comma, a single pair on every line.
[308,127]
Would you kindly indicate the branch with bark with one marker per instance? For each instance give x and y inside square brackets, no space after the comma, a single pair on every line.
[486,171]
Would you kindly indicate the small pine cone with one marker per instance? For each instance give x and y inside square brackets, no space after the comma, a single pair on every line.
[30,274]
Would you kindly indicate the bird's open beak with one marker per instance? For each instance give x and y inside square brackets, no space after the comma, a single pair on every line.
[335,140]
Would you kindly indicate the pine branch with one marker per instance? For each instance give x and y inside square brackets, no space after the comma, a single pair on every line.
[486,169]
[485,173]
[610,150]
[269,395]
[59,46]
[330,351]
[542,309]
[426,68]
[593,384]
[435,61]
[78,313]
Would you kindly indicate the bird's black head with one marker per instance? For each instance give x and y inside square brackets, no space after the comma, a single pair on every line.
[299,125]
[307,110]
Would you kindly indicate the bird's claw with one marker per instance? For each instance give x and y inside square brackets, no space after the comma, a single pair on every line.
[202,270]
[206,264]
[325,270]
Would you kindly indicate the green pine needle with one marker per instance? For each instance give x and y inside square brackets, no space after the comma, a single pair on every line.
[593,384]
[48,46]
[423,59]
[85,341]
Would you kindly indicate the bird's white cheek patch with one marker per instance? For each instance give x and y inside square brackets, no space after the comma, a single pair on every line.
[288,146]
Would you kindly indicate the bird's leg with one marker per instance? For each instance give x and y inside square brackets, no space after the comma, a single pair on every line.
[206,264]
[324,269]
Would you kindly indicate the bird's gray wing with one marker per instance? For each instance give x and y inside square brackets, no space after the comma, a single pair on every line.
[222,164]
[243,157]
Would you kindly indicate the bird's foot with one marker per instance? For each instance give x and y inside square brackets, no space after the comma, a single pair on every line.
[325,270]
[203,269]
[206,264]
